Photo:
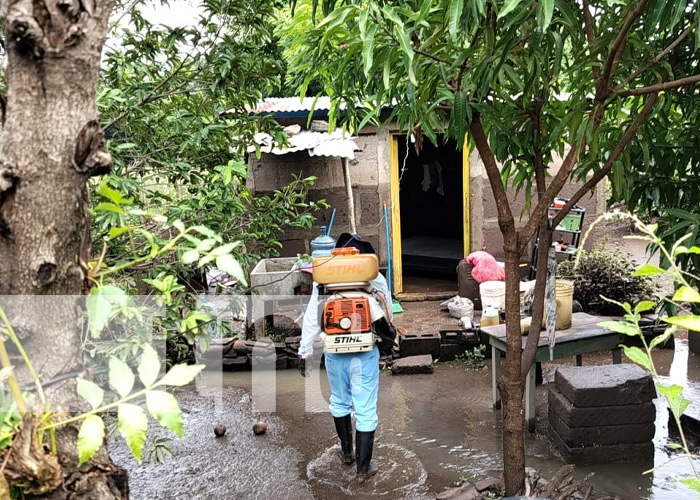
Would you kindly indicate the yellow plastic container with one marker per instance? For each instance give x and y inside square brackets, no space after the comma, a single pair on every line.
[339,269]
[565,298]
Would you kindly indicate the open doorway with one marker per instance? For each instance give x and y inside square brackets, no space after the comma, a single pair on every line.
[432,218]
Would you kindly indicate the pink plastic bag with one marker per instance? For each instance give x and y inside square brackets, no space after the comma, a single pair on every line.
[485,267]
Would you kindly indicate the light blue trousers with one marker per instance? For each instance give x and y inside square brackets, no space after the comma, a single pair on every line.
[354,381]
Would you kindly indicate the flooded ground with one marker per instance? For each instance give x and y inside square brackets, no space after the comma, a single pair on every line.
[434,430]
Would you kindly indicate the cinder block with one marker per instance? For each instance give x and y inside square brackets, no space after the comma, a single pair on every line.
[448,352]
[605,435]
[610,385]
[588,455]
[415,344]
[413,365]
[597,416]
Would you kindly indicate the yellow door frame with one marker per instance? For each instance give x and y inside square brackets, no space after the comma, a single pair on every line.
[396,260]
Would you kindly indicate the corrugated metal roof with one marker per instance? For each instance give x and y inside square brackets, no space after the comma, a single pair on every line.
[335,144]
[291,104]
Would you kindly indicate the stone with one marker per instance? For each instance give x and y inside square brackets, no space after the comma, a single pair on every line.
[414,344]
[449,493]
[468,493]
[597,416]
[620,453]
[609,385]
[220,430]
[601,435]
[260,428]
[489,483]
[413,365]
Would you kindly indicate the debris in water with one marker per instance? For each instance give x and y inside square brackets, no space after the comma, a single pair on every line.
[260,428]
[220,430]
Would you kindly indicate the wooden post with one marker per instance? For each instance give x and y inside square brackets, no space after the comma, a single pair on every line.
[351,200]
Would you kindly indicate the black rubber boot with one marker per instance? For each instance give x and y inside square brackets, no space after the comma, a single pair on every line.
[364,444]
[343,427]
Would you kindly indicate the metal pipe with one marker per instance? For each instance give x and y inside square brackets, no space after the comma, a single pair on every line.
[351,200]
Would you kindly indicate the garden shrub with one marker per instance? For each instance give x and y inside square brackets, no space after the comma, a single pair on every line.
[606,273]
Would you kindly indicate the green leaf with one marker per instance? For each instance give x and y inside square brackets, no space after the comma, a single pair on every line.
[622,327]
[121,378]
[149,366]
[164,408]
[189,257]
[644,306]
[508,7]
[115,232]
[686,294]
[98,310]
[548,9]
[368,49]
[636,355]
[232,267]
[648,270]
[674,395]
[90,438]
[689,322]
[660,339]
[674,446]
[456,7]
[90,392]
[133,425]
[113,195]
[692,482]
[179,225]
[227,248]
[181,374]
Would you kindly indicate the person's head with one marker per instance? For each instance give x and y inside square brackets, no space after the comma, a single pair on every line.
[354,240]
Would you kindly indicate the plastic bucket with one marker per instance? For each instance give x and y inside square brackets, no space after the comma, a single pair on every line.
[565,298]
[493,293]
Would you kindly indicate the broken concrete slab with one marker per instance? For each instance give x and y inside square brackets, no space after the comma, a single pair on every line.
[588,455]
[490,483]
[597,416]
[609,385]
[415,344]
[413,365]
[601,435]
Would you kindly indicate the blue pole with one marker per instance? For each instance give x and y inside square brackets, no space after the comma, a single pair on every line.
[330,224]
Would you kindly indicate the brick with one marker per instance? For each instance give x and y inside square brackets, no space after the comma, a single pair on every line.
[414,344]
[588,455]
[610,385]
[603,435]
[596,416]
[413,365]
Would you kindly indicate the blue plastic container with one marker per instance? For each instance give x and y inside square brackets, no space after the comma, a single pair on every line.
[322,245]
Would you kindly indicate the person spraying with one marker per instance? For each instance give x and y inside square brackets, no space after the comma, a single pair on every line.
[348,306]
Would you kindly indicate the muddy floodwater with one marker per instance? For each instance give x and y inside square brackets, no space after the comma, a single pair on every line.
[434,430]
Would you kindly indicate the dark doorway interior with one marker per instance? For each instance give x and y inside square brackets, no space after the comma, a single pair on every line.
[431,208]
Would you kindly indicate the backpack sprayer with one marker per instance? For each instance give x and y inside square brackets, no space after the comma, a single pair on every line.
[354,316]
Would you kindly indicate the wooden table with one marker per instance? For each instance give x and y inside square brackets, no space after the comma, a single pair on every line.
[584,336]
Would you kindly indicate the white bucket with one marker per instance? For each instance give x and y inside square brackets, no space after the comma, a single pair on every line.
[493,293]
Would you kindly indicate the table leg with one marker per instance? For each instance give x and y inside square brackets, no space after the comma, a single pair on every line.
[495,373]
[530,398]
[578,360]
[617,356]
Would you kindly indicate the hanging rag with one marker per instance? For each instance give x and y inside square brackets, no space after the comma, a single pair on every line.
[550,301]
[425,185]
[440,185]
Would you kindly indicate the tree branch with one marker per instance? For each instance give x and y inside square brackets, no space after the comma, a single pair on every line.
[659,87]
[618,45]
[590,34]
[600,174]
[658,57]
[494,174]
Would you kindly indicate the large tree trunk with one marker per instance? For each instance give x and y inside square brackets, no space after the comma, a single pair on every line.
[51,144]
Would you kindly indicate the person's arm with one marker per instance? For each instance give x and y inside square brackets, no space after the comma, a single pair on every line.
[310,328]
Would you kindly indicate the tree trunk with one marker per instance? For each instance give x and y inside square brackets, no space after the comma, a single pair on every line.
[510,384]
[51,144]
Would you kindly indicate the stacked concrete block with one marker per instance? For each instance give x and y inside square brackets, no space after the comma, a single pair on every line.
[603,414]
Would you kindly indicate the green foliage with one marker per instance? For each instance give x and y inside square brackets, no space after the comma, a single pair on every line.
[472,360]
[10,417]
[606,273]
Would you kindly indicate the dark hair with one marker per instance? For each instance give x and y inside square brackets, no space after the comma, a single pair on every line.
[354,240]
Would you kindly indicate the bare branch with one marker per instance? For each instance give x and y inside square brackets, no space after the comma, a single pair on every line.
[590,33]
[659,87]
[618,45]
[494,174]
[658,57]
[600,174]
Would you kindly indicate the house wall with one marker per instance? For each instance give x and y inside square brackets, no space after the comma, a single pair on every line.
[370,178]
